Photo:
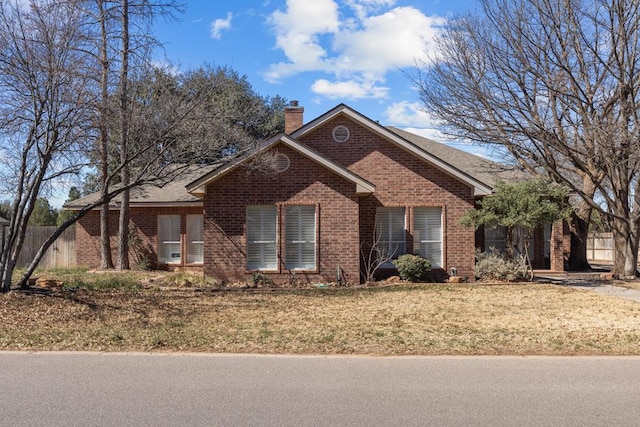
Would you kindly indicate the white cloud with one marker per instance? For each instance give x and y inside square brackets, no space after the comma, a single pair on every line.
[298,32]
[407,113]
[348,89]
[364,7]
[220,25]
[167,67]
[389,41]
[411,117]
[357,42]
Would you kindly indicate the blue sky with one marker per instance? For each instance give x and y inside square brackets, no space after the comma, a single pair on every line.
[319,52]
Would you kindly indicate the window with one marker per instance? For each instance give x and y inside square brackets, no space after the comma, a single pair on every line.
[261,238]
[169,239]
[195,239]
[427,234]
[495,237]
[390,233]
[301,237]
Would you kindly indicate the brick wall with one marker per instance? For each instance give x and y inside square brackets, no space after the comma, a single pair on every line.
[401,180]
[144,232]
[293,117]
[305,182]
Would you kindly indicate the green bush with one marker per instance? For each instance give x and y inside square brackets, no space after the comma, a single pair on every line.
[412,268]
[494,266]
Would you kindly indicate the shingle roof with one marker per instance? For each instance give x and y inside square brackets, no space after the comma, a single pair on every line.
[480,168]
[173,192]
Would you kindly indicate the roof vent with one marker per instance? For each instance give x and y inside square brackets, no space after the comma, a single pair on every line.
[281,162]
[340,133]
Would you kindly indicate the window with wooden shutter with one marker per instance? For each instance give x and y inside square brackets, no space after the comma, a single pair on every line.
[195,239]
[300,228]
[427,234]
[262,251]
[169,251]
[390,233]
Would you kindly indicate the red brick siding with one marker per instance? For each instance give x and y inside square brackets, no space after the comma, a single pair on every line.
[560,242]
[144,223]
[293,118]
[305,182]
[401,179]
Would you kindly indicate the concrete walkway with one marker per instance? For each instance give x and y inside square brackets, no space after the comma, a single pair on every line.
[590,282]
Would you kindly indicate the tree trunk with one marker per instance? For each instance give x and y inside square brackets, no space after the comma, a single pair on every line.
[123,235]
[579,234]
[106,260]
[625,249]
[7,273]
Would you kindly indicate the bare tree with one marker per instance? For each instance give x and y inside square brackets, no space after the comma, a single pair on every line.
[375,255]
[43,113]
[103,113]
[51,115]
[47,99]
[125,42]
[556,83]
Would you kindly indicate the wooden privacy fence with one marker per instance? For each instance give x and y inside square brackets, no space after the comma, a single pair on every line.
[600,248]
[62,253]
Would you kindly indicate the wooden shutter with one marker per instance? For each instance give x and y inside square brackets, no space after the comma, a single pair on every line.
[261,238]
[300,224]
[427,232]
[195,239]
[390,232]
[169,238]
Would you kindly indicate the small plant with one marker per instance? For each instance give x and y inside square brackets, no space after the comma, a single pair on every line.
[100,281]
[412,268]
[143,265]
[142,252]
[492,265]
[373,256]
[261,280]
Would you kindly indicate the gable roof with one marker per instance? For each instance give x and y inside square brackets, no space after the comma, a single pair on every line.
[480,188]
[170,194]
[482,169]
[198,187]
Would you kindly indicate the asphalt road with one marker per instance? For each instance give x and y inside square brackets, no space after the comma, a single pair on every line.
[89,389]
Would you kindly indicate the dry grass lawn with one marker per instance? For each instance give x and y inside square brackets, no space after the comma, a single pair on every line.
[400,320]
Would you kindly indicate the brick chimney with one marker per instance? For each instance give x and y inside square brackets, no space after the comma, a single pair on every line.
[292,117]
